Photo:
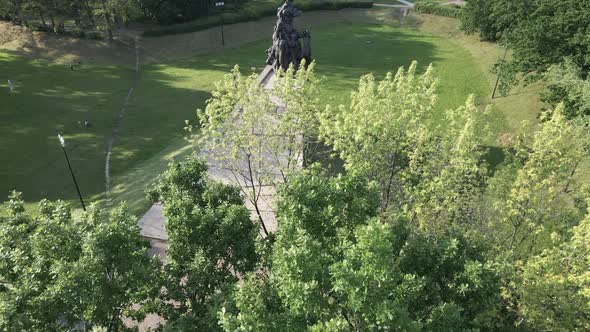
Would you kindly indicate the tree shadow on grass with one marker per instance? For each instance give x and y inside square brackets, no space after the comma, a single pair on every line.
[50,97]
[495,157]
[165,97]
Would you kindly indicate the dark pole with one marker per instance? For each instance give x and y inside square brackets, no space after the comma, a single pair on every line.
[63,147]
[498,78]
[221,4]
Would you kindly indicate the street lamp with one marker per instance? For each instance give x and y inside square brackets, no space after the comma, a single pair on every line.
[62,142]
[220,4]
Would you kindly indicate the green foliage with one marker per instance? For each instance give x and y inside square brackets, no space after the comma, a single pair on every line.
[57,271]
[341,269]
[438,9]
[389,134]
[540,191]
[555,286]
[539,33]
[493,20]
[564,84]
[211,242]
[246,132]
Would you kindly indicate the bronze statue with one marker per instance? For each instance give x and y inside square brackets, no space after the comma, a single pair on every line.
[286,47]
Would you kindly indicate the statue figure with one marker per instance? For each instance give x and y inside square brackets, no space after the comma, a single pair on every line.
[286,47]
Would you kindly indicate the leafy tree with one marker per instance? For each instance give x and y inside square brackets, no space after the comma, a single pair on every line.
[58,272]
[211,241]
[336,267]
[174,11]
[537,192]
[374,133]
[495,19]
[554,286]
[564,83]
[389,133]
[540,33]
[259,134]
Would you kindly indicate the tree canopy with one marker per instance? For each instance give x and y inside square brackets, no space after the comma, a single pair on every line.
[540,35]
[57,272]
[419,232]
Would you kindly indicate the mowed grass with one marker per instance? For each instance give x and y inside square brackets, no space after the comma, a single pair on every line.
[49,97]
[168,94]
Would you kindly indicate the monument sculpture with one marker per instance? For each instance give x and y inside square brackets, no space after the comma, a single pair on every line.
[286,46]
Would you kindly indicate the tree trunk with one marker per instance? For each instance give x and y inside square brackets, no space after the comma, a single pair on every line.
[114,323]
[52,21]
[42,17]
[107,18]
[89,13]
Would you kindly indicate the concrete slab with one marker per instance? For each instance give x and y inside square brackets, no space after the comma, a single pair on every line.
[152,224]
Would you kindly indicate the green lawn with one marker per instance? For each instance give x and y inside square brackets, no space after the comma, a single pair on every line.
[48,96]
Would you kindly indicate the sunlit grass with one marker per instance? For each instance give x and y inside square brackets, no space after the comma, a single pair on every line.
[168,94]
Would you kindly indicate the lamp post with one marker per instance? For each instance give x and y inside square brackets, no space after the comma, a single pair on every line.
[62,142]
[220,4]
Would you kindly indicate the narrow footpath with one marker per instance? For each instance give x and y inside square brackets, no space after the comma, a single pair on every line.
[117,126]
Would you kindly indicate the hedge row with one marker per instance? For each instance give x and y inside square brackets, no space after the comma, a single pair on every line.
[436,9]
[249,14]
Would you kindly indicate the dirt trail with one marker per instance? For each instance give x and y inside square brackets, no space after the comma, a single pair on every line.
[117,126]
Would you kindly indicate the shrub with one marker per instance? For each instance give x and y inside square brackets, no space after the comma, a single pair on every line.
[40,27]
[96,35]
[436,9]
[77,33]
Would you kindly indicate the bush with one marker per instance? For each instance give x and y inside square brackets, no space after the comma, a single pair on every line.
[436,9]
[40,27]
[96,35]
[77,33]
[249,13]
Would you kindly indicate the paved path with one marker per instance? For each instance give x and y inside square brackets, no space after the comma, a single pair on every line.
[152,224]
[390,6]
[404,4]
[454,2]
[407,3]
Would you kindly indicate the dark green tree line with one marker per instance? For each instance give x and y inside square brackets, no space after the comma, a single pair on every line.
[541,34]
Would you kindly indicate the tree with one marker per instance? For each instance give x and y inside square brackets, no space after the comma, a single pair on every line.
[535,196]
[112,273]
[374,133]
[564,84]
[259,134]
[389,133]
[540,34]
[495,19]
[58,272]
[554,286]
[211,241]
[337,267]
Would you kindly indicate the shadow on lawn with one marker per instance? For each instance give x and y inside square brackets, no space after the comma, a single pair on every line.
[47,98]
[160,103]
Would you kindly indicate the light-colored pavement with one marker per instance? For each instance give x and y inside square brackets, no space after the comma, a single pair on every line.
[407,3]
[152,224]
[454,2]
[390,6]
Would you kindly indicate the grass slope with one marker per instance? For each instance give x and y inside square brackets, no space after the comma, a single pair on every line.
[167,94]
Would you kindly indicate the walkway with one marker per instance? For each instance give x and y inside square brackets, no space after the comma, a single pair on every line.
[152,224]
[117,126]
[403,4]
